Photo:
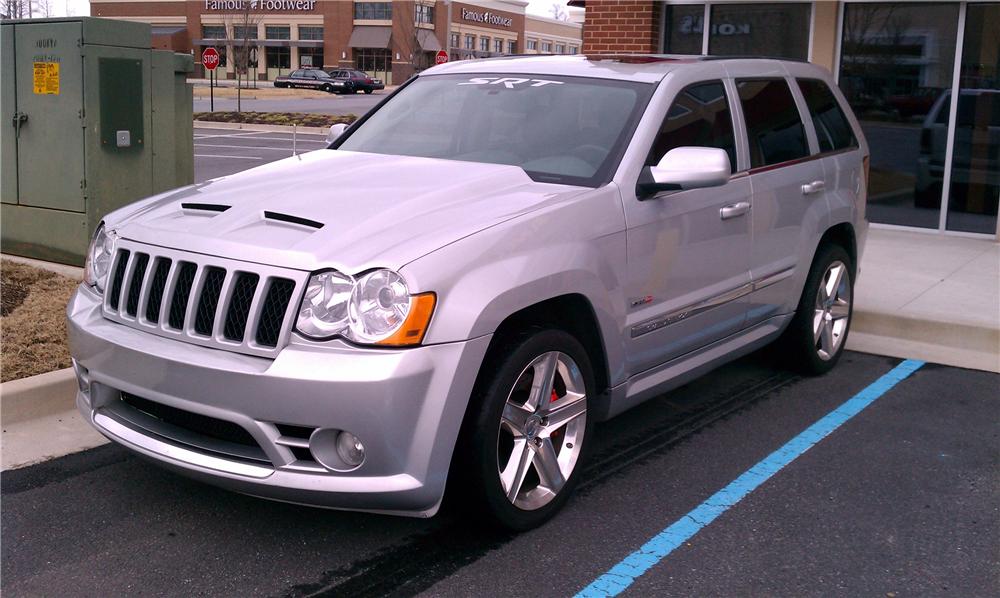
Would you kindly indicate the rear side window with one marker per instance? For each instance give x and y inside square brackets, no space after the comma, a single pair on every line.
[699,116]
[832,128]
[774,128]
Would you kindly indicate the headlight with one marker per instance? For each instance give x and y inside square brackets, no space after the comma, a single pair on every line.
[99,258]
[375,308]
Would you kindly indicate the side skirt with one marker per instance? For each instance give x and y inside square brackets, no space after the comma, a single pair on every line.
[682,370]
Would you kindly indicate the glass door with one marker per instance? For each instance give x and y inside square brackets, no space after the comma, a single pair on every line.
[974,186]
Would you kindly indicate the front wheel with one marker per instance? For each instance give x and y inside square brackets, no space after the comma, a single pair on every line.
[369,90]
[528,429]
[816,337]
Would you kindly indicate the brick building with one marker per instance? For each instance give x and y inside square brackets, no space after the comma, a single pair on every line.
[389,39]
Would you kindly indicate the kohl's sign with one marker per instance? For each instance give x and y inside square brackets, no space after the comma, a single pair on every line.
[260,5]
[487,18]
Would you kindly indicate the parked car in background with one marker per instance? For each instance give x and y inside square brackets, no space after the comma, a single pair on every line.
[976,154]
[551,241]
[310,79]
[916,103]
[355,81]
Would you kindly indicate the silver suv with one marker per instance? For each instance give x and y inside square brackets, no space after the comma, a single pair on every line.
[496,257]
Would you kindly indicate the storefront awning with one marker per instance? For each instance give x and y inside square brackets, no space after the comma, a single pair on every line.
[428,41]
[367,36]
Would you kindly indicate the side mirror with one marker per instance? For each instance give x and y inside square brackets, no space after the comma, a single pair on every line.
[335,131]
[685,168]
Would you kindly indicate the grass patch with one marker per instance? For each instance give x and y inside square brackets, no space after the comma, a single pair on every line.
[276,118]
[32,320]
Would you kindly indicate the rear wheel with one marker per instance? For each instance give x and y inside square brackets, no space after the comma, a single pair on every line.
[528,431]
[816,337]
[369,90]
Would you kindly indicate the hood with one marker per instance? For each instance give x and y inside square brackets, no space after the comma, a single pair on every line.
[346,210]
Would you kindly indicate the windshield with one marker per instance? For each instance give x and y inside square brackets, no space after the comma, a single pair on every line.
[558,129]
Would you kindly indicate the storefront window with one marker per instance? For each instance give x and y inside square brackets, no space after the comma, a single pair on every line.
[532,44]
[311,57]
[975,167]
[312,32]
[780,30]
[573,50]
[278,58]
[373,11]
[547,47]
[896,69]
[454,40]
[684,28]
[424,14]
[560,49]
[273,32]
[470,42]
[498,46]
[213,31]
[484,44]
[374,61]
[512,47]
[244,32]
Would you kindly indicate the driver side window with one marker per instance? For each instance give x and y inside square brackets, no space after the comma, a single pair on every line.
[700,117]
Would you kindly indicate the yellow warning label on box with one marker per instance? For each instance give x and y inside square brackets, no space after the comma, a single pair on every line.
[46,78]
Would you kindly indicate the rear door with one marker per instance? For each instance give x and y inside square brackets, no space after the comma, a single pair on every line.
[788,193]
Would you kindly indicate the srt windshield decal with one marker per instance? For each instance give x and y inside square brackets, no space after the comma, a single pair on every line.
[509,82]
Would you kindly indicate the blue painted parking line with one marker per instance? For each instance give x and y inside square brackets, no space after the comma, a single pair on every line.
[621,576]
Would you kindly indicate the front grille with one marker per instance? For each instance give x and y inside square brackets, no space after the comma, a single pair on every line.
[211,427]
[214,302]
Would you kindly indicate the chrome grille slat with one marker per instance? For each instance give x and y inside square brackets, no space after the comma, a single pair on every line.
[234,299]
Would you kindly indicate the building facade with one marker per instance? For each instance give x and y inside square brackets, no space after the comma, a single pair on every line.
[390,40]
[922,78]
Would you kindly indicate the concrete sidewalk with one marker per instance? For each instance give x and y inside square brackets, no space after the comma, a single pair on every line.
[929,297]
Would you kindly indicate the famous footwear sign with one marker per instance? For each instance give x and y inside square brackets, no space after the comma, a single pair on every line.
[487,18]
[260,5]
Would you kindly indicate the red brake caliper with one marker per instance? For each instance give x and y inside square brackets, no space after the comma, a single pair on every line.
[556,442]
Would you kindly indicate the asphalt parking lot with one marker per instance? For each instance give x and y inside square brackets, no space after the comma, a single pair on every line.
[900,499]
[218,152]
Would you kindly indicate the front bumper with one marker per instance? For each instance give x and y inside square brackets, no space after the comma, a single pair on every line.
[406,406]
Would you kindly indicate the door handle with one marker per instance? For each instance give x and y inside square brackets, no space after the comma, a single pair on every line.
[734,210]
[813,187]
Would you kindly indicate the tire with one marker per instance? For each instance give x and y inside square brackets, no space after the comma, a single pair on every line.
[369,90]
[817,334]
[328,88]
[491,456]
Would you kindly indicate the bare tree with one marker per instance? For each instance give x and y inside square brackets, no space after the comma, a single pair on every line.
[14,9]
[44,8]
[558,12]
[243,24]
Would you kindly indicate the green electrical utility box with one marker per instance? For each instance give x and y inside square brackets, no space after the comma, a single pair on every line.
[93,119]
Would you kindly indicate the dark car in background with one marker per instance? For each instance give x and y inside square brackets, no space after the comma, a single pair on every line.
[310,79]
[355,81]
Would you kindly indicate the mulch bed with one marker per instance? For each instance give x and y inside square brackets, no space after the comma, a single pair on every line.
[276,118]
[32,320]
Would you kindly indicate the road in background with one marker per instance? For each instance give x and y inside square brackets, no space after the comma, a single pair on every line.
[218,152]
[901,500]
[333,104]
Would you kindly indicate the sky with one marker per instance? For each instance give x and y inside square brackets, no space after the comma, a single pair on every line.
[82,7]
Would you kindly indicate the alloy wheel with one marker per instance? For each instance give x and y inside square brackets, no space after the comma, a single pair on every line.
[542,430]
[832,311]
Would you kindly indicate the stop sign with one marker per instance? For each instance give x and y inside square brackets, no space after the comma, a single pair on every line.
[210,58]
[441,57]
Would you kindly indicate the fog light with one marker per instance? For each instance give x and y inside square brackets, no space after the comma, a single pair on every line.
[350,449]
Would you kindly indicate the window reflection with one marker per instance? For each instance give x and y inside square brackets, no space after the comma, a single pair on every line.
[975,171]
[896,66]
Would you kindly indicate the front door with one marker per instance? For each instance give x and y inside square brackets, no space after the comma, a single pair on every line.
[688,266]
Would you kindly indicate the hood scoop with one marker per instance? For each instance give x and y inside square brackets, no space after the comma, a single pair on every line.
[205,207]
[292,219]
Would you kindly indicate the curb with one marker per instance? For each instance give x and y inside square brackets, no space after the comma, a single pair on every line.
[948,343]
[38,396]
[74,272]
[207,124]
